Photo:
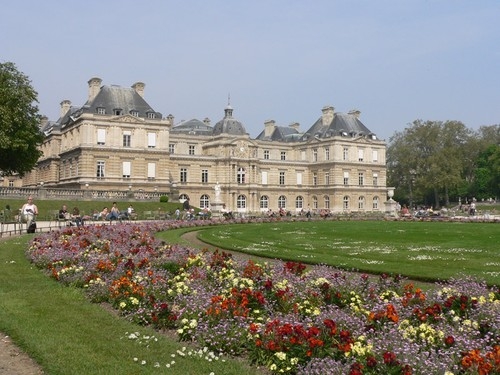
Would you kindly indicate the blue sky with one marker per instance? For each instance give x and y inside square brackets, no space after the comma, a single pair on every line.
[394,60]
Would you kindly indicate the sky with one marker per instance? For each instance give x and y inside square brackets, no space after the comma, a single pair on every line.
[396,61]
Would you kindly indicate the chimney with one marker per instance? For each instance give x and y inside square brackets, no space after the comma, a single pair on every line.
[94,87]
[65,106]
[171,118]
[206,121]
[295,125]
[355,113]
[139,88]
[269,126]
[44,120]
[327,117]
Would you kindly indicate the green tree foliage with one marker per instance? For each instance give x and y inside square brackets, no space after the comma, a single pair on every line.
[20,134]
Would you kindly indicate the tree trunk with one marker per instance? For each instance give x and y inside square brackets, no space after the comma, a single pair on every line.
[436,199]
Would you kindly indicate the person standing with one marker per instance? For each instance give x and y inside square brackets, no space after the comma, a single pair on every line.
[28,213]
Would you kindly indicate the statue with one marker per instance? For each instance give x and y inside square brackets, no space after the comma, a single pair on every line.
[217,192]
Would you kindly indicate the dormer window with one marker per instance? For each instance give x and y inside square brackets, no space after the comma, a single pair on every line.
[134,113]
[101,110]
[117,111]
[151,115]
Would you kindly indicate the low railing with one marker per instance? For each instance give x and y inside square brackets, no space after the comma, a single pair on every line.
[78,194]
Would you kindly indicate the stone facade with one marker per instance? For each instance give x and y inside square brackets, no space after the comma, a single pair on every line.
[115,141]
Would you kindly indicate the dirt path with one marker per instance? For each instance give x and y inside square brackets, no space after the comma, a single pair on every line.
[13,361]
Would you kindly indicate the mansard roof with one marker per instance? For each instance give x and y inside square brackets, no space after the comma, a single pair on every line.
[343,124]
[229,125]
[112,98]
[193,126]
[281,134]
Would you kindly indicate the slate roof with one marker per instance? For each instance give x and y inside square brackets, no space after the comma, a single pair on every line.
[193,126]
[229,125]
[342,124]
[281,134]
[116,97]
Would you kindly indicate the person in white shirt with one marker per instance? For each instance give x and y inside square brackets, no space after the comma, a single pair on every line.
[29,211]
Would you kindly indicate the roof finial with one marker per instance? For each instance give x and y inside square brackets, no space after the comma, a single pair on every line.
[228,99]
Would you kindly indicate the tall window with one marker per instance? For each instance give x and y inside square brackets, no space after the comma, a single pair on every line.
[204,201]
[184,175]
[126,167]
[183,197]
[151,171]
[327,153]
[264,177]
[375,155]
[151,140]
[241,201]
[327,178]
[299,178]
[315,154]
[100,169]
[282,201]
[127,135]
[204,176]
[375,203]
[282,178]
[345,153]
[283,155]
[327,202]
[264,202]
[266,154]
[240,176]
[171,148]
[191,149]
[361,154]
[361,203]
[346,202]
[302,154]
[346,178]
[361,178]
[101,136]
[375,179]
[299,202]
[315,203]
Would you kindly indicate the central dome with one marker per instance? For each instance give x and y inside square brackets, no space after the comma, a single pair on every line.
[229,125]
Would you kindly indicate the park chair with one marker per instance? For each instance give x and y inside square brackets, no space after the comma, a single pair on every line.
[7,219]
[148,215]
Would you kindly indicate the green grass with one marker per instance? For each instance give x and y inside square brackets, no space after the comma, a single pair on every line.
[428,251]
[66,334]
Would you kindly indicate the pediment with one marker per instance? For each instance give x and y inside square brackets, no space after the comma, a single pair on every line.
[128,119]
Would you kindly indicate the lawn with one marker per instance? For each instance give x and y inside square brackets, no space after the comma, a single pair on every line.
[426,251]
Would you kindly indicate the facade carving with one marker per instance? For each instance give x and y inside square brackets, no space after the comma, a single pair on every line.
[116,141]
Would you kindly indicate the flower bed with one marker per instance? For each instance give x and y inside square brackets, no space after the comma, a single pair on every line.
[291,319]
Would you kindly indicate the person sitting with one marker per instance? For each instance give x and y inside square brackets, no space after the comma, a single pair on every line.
[76,218]
[130,214]
[114,214]
[29,210]
[63,213]
[103,215]
[227,214]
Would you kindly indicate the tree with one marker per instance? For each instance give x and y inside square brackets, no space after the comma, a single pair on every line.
[20,135]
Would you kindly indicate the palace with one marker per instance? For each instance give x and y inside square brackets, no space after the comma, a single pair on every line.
[116,141]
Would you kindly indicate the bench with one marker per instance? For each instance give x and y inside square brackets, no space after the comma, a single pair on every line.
[7,220]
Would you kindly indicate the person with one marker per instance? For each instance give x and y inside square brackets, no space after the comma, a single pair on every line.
[185,208]
[227,214]
[103,215]
[114,214]
[177,213]
[130,211]
[75,216]
[308,212]
[472,208]
[29,210]
[63,212]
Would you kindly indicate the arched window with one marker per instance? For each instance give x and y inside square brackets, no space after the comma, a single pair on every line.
[315,202]
[282,201]
[361,203]
[183,197]
[375,203]
[346,202]
[327,202]
[241,202]
[240,177]
[204,201]
[264,202]
[299,202]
